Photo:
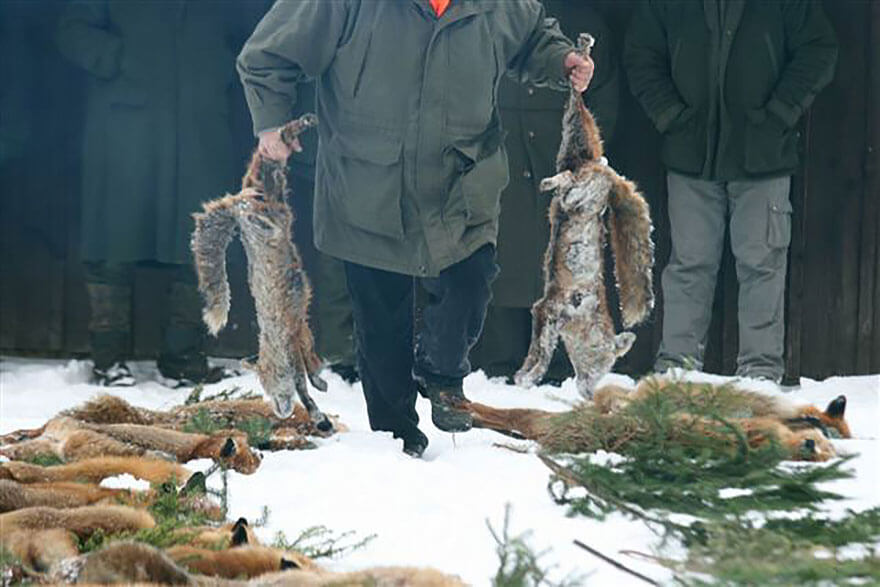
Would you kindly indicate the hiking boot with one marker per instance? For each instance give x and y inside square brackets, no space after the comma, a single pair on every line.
[116,375]
[415,444]
[190,370]
[446,412]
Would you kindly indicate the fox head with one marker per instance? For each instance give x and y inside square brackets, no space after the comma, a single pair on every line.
[833,416]
[831,421]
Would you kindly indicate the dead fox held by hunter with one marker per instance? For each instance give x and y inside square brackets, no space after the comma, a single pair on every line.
[589,194]
[278,283]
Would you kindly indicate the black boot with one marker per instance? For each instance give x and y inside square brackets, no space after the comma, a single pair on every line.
[186,370]
[182,361]
[109,323]
[446,412]
[415,443]
[108,351]
[116,375]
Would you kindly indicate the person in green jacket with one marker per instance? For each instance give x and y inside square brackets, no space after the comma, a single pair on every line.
[157,142]
[409,171]
[532,118]
[725,83]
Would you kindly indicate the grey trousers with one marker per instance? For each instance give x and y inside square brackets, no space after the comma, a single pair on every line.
[759,213]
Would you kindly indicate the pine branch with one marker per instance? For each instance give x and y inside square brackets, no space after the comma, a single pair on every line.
[615,563]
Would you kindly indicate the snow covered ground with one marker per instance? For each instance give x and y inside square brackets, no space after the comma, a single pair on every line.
[430,512]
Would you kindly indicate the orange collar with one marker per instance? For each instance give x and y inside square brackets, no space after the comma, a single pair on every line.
[439,6]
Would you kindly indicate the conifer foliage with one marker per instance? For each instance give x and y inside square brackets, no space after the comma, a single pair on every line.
[675,451]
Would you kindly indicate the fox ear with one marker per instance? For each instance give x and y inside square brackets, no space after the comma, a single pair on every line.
[239,535]
[228,448]
[241,522]
[837,407]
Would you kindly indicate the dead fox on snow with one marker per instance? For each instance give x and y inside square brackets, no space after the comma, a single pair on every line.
[804,430]
[73,440]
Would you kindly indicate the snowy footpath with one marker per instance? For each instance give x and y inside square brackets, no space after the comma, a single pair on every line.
[431,512]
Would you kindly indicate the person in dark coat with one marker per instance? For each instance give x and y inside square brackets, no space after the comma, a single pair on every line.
[532,118]
[725,83]
[410,169]
[157,143]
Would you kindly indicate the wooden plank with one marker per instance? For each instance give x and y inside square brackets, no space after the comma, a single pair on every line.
[835,188]
[868,347]
[794,310]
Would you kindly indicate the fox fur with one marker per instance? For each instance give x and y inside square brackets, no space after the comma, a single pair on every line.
[95,470]
[803,430]
[130,562]
[759,411]
[241,562]
[377,577]
[38,550]
[73,440]
[224,536]
[42,536]
[278,283]
[65,494]
[109,409]
[574,305]
[121,563]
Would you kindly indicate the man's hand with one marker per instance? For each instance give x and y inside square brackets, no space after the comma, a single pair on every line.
[580,70]
[272,147]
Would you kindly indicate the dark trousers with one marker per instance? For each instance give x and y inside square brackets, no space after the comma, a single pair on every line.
[109,286]
[391,355]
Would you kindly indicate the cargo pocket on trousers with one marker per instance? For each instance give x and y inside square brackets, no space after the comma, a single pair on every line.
[779,224]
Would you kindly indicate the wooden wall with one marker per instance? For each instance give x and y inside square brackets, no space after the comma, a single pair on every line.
[833,299]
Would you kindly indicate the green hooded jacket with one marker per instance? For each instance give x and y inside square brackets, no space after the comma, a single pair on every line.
[411,161]
[725,82]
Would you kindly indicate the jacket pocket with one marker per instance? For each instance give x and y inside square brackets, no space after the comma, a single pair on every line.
[365,177]
[684,144]
[769,145]
[484,174]
[779,224]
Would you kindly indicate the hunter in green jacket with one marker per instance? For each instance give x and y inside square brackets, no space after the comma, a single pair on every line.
[411,163]
[726,82]
[410,169]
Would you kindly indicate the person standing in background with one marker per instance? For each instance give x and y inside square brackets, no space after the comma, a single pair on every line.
[725,83]
[532,118]
[157,143]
